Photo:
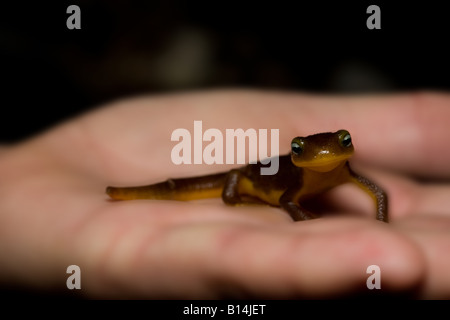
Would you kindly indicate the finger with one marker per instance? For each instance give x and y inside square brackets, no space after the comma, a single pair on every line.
[406,196]
[432,235]
[403,132]
[209,260]
[411,197]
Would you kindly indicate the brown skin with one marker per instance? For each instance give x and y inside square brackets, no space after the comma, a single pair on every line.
[54,213]
[317,163]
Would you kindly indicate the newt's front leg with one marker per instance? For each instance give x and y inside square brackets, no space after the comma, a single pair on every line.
[378,195]
[237,185]
[289,203]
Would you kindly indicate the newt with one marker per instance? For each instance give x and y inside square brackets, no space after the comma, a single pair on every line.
[315,164]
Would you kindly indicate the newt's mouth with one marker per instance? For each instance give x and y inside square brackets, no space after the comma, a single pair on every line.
[322,165]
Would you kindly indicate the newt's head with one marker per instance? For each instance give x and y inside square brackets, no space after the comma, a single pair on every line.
[323,151]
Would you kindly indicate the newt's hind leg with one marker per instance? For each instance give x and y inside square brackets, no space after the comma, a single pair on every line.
[238,189]
[230,193]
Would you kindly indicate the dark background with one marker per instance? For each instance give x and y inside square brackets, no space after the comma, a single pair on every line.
[50,73]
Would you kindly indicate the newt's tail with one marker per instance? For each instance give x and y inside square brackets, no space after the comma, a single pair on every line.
[210,186]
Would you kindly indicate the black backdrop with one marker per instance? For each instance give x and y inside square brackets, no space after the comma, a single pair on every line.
[50,73]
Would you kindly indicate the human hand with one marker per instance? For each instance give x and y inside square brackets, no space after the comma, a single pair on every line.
[54,212]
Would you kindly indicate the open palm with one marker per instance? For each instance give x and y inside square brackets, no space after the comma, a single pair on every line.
[54,211]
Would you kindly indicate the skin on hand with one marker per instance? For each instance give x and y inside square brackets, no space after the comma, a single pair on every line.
[54,213]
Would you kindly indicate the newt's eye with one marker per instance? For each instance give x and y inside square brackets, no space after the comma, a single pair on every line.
[297,147]
[345,139]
